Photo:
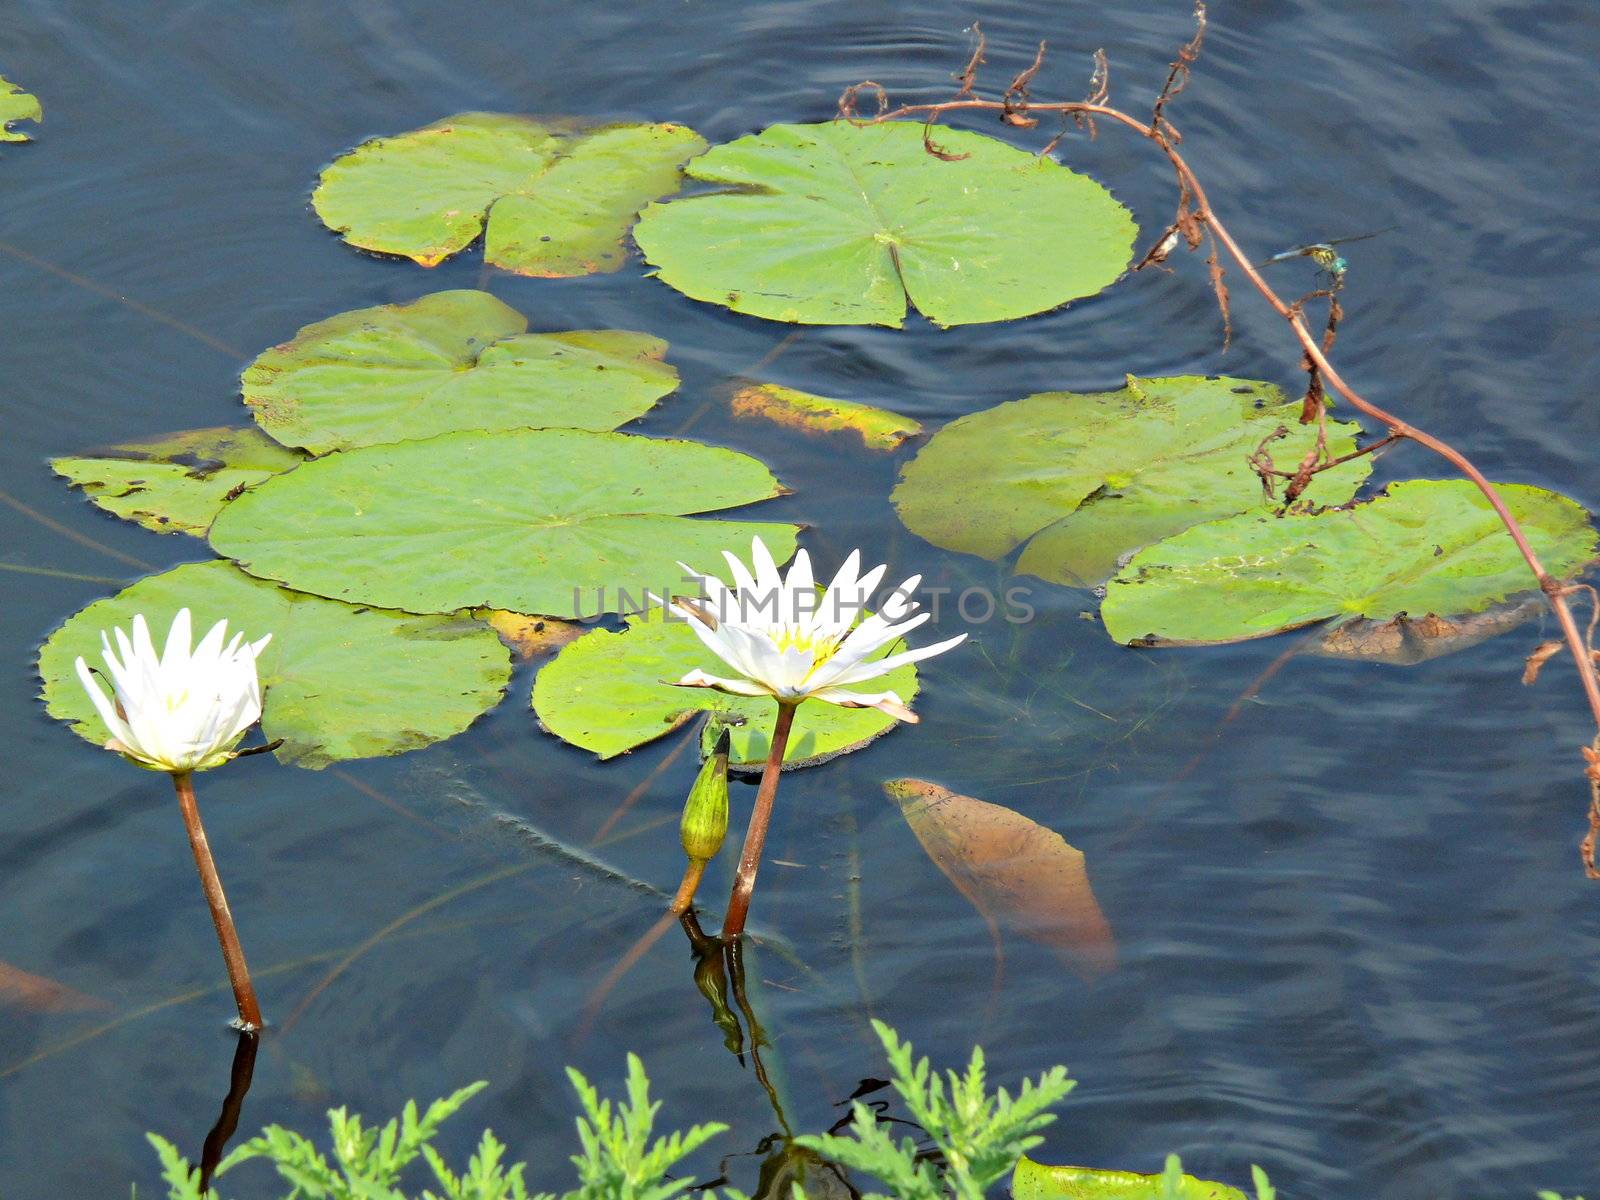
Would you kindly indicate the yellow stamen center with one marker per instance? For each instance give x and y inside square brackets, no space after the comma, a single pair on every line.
[821,649]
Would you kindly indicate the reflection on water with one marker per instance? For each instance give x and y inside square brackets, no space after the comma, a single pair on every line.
[239,1077]
[1352,944]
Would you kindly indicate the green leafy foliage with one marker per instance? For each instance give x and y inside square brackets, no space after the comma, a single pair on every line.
[844,224]
[619,1157]
[979,1136]
[1079,480]
[367,1162]
[176,483]
[549,521]
[612,692]
[557,198]
[1427,546]
[449,361]
[339,682]
[17,105]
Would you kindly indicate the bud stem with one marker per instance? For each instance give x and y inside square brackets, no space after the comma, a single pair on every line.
[755,838]
[244,992]
[690,885]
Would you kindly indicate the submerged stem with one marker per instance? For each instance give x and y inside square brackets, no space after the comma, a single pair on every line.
[244,992]
[755,838]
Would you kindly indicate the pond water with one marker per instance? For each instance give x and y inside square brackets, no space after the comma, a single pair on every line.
[1355,945]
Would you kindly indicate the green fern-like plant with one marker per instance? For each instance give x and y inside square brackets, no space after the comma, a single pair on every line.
[618,1160]
[977,1136]
[975,1139]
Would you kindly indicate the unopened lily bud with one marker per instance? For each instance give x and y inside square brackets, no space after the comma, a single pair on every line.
[705,813]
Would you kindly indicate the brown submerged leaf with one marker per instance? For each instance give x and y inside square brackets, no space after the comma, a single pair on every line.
[36,993]
[1406,641]
[1015,872]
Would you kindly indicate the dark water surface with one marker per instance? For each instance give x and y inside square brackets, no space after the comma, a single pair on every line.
[1355,943]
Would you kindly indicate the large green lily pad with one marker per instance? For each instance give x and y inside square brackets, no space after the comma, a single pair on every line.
[548,521]
[843,224]
[1079,480]
[1427,546]
[1036,1181]
[449,361]
[557,198]
[17,105]
[612,692]
[177,483]
[339,682]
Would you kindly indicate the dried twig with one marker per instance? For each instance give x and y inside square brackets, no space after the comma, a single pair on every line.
[1195,222]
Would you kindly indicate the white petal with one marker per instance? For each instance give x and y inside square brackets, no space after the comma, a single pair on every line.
[737,687]
[900,602]
[716,640]
[768,581]
[882,666]
[886,702]
[869,582]
[143,647]
[844,579]
[742,579]
[179,638]
[800,592]
[864,641]
[103,705]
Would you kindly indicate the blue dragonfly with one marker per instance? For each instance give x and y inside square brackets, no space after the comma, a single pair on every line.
[1331,262]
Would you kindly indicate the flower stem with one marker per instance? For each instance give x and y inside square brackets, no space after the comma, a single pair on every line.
[755,838]
[244,992]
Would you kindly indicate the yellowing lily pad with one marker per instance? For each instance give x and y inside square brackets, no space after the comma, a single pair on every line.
[177,483]
[844,224]
[878,428]
[17,105]
[1079,480]
[1426,547]
[449,361]
[612,692]
[338,682]
[561,522]
[557,198]
[528,637]
[1035,1181]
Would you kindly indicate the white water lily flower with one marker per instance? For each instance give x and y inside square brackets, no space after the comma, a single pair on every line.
[180,711]
[788,641]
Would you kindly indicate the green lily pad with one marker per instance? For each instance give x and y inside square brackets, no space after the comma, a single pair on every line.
[1427,546]
[549,521]
[339,682]
[449,361]
[176,483]
[1080,480]
[878,428]
[612,692]
[17,105]
[1036,1181]
[843,224]
[557,198]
